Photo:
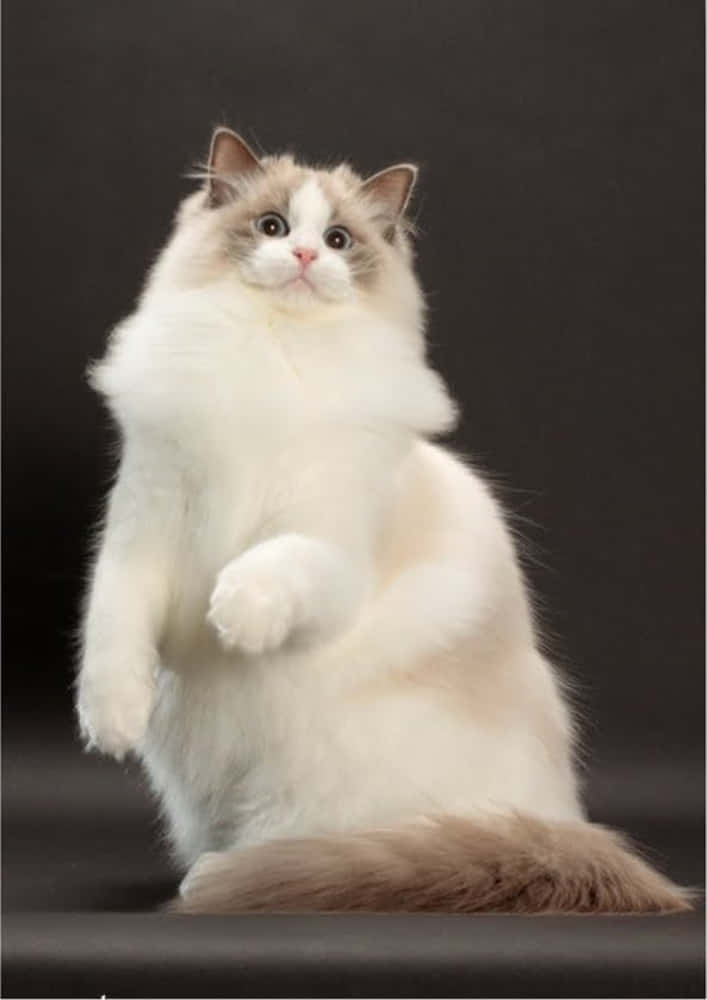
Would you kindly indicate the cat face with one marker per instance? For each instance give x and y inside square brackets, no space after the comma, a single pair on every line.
[305,244]
[300,234]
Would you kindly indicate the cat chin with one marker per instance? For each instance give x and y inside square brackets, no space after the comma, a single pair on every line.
[301,294]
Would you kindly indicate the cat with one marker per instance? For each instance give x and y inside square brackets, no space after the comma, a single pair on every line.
[306,617]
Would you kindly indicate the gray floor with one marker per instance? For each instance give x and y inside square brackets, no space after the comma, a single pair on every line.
[85,873]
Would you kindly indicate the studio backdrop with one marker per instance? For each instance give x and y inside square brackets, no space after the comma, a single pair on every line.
[560,215]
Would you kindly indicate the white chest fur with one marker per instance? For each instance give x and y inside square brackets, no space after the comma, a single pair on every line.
[243,428]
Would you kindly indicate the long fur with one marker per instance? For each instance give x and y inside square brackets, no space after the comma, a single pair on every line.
[305,616]
[508,864]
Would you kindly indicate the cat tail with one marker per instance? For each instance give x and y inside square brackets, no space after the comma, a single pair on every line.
[505,864]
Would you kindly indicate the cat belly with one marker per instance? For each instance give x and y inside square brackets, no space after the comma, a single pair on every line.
[271,748]
[386,722]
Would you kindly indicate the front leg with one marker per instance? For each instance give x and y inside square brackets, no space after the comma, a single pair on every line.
[114,701]
[124,616]
[289,584]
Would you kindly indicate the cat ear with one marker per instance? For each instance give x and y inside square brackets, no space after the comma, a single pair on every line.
[229,156]
[392,186]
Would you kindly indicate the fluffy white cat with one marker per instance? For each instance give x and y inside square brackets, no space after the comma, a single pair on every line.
[306,618]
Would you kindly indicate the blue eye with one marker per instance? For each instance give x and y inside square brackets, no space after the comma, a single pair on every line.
[272,224]
[338,238]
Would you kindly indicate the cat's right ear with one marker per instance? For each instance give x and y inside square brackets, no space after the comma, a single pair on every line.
[229,157]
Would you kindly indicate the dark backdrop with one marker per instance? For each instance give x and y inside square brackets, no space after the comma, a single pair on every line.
[561,210]
[561,214]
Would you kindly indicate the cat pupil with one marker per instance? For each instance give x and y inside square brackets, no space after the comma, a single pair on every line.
[272,224]
[338,238]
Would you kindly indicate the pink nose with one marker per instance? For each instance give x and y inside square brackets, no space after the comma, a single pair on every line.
[305,255]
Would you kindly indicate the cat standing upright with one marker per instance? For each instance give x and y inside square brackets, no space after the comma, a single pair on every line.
[306,618]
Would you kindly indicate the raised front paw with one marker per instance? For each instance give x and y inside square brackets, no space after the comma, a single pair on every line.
[252,607]
[114,711]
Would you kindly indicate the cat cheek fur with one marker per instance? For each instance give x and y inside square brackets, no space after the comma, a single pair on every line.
[350,705]
[272,265]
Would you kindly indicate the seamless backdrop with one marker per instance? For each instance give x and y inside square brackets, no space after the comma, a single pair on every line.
[561,215]
[560,206]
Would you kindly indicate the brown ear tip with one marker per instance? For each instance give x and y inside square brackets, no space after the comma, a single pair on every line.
[414,172]
[223,130]
[219,133]
[410,171]
[229,137]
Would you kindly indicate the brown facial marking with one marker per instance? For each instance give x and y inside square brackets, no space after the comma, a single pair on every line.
[269,189]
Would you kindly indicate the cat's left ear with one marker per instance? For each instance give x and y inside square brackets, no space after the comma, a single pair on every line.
[392,187]
[229,156]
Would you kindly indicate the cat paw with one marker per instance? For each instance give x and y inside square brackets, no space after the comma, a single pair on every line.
[251,608]
[114,712]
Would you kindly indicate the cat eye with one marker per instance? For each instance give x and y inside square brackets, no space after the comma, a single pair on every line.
[272,224]
[338,238]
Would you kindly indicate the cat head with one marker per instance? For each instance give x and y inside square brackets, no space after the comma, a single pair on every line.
[296,234]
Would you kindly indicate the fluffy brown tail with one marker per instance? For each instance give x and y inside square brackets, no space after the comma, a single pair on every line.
[506,864]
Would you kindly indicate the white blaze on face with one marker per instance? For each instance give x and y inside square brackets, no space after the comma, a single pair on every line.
[274,265]
[309,216]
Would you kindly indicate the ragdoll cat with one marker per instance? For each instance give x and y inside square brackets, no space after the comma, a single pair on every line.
[306,618]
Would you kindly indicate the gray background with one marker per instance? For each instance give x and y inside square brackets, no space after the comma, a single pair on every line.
[561,209]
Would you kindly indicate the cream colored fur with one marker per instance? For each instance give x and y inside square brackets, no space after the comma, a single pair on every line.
[305,617]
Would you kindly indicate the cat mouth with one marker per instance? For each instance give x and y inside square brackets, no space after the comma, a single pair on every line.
[299,281]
